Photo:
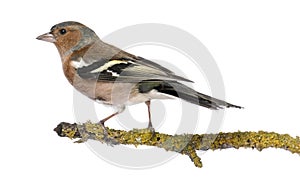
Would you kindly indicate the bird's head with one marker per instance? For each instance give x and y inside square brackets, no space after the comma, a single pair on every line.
[69,37]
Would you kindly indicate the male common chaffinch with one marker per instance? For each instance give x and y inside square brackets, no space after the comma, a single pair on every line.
[112,76]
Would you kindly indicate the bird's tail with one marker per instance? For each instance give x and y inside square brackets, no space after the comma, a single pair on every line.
[190,95]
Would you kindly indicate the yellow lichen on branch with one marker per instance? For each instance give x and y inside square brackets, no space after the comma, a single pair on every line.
[186,144]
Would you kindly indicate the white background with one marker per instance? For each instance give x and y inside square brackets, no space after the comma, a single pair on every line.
[255,43]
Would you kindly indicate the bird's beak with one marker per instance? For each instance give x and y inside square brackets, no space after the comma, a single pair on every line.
[47,37]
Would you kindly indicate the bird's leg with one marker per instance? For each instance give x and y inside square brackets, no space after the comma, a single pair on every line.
[108,117]
[150,127]
[148,103]
[101,122]
[120,109]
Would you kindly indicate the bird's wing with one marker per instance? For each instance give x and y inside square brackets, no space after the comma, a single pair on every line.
[127,70]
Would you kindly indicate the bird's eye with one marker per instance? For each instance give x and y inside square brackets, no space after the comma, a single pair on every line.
[63,31]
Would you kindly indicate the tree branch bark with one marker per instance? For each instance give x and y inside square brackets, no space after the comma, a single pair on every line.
[186,144]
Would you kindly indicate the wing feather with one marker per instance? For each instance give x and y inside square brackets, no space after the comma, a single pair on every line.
[127,70]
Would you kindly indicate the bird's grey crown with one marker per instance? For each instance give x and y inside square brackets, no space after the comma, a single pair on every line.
[65,24]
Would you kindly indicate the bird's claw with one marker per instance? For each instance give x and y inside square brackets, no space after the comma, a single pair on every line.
[110,141]
[151,128]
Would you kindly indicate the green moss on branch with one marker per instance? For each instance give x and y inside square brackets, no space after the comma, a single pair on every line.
[186,144]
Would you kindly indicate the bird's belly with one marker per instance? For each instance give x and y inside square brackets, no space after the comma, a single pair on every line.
[137,98]
[106,92]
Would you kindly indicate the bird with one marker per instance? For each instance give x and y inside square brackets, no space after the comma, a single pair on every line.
[112,76]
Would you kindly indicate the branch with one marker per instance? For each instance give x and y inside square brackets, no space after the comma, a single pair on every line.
[186,144]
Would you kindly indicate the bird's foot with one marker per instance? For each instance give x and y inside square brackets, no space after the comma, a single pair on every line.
[151,128]
[107,139]
[147,133]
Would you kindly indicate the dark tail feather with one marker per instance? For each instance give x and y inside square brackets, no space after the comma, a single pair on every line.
[186,93]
